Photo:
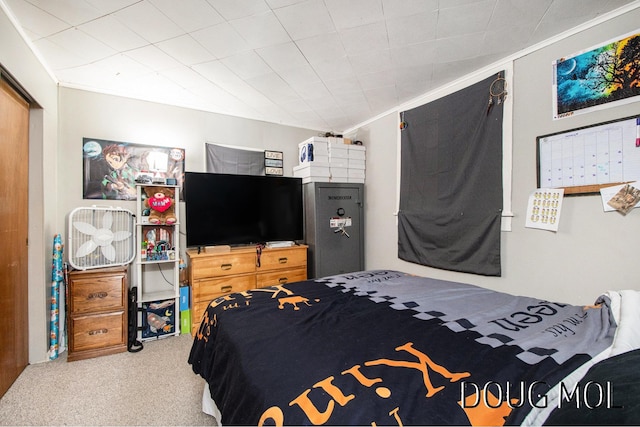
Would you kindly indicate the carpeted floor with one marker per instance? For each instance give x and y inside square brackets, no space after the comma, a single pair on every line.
[155,386]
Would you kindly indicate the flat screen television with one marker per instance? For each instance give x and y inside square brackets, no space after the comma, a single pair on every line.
[225,209]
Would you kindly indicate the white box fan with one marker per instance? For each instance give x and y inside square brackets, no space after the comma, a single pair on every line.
[100,237]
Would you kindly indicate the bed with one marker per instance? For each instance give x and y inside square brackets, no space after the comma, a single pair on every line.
[384,347]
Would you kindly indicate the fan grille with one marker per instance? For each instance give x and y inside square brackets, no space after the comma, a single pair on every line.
[100,237]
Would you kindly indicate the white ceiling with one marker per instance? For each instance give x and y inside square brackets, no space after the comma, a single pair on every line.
[319,64]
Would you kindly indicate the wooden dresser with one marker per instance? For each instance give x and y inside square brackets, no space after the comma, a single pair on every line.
[214,274]
[97,312]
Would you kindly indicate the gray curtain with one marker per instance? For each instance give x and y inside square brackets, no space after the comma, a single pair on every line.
[236,161]
[451,182]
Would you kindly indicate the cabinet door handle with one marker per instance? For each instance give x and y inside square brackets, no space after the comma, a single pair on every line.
[99,331]
[283,260]
[95,295]
[283,280]
[226,288]
[226,266]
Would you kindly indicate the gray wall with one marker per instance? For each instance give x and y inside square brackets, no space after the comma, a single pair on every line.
[17,58]
[592,251]
[93,115]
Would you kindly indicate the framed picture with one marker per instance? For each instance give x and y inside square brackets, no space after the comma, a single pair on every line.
[110,168]
[586,159]
[273,163]
[597,78]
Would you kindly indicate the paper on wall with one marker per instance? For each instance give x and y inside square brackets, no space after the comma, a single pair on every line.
[543,210]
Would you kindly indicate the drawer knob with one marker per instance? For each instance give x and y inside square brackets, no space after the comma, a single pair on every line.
[283,280]
[99,331]
[226,266]
[283,260]
[95,295]
[226,288]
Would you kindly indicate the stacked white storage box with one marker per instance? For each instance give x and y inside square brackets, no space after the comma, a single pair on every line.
[330,160]
[356,163]
[338,160]
[313,158]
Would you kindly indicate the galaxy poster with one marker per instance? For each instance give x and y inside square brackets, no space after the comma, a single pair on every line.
[110,168]
[597,78]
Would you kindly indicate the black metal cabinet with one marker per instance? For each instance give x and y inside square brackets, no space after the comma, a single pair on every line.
[334,228]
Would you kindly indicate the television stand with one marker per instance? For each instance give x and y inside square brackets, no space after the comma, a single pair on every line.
[214,275]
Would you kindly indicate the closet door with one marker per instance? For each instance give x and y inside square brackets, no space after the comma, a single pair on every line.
[14,180]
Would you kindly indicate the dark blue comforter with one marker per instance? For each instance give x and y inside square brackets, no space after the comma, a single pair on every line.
[387,348]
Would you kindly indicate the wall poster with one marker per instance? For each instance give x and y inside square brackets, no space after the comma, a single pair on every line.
[597,78]
[110,167]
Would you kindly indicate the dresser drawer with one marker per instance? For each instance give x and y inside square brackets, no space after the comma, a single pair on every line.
[206,290]
[196,313]
[223,265]
[281,277]
[96,294]
[98,331]
[199,307]
[275,259]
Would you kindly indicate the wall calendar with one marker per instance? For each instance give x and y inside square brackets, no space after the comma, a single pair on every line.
[584,160]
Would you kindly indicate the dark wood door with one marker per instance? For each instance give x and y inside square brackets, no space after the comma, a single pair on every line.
[14,180]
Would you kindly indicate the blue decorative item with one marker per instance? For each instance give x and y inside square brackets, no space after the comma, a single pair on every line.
[158,318]
[57,277]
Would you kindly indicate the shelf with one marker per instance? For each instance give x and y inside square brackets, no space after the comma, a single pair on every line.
[157,279]
[157,296]
[161,261]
